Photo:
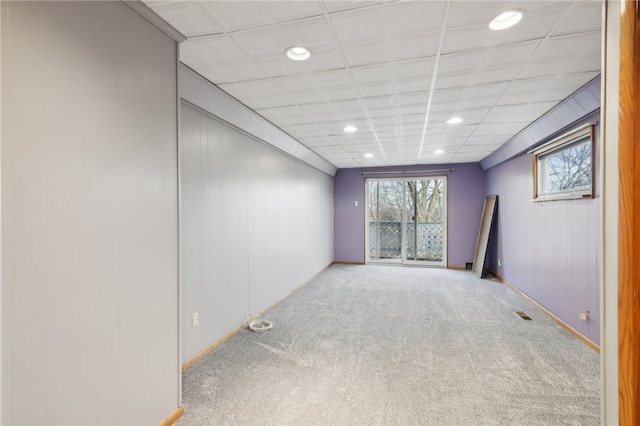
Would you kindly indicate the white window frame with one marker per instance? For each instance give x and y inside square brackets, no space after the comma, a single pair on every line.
[579,135]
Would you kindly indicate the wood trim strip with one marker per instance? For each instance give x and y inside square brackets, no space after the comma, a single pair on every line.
[575,333]
[173,417]
[457,268]
[629,217]
[189,363]
[348,263]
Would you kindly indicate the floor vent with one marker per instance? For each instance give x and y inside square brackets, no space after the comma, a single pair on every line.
[523,315]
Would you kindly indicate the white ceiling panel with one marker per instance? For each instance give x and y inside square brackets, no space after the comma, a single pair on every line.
[265,42]
[394,50]
[518,112]
[279,66]
[210,51]
[341,6]
[239,15]
[583,16]
[535,27]
[553,88]
[231,72]
[567,54]
[395,69]
[478,12]
[187,17]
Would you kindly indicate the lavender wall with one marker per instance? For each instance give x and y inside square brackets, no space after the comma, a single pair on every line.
[467,190]
[548,250]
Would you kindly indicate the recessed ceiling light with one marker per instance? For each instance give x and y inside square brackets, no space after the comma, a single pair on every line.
[506,20]
[454,120]
[350,129]
[439,151]
[368,155]
[298,53]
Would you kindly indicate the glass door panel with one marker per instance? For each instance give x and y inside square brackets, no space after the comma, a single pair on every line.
[385,205]
[406,220]
[425,228]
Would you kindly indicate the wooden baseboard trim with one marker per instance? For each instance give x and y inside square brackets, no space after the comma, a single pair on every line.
[575,333]
[190,362]
[173,417]
[347,263]
[457,268]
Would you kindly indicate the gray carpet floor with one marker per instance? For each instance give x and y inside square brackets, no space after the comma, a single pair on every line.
[374,345]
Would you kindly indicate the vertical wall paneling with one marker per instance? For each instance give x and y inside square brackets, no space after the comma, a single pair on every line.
[549,250]
[89,216]
[629,215]
[256,224]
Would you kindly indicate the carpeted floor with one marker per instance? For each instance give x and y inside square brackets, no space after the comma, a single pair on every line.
[367,345]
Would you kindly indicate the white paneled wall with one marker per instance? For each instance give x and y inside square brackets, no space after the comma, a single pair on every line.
[89,216]
[256,224]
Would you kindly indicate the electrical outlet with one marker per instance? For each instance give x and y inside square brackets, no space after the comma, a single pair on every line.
[583,315]
[355,203]
[499,262]
[194,320]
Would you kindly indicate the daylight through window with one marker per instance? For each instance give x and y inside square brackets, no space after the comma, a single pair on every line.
[563,168]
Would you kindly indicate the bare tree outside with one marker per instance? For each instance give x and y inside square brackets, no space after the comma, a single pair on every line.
[422,200]
[567,169]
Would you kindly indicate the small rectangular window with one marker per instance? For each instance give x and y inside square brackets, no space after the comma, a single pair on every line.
[563,168]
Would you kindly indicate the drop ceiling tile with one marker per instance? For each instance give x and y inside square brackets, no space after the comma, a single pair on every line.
[232,72]
[239,15]
[496,64]
[345,106]
[280,65]
[568,54]
[553,88]
[284,115]
[340,6]
[333,81]
[258,94]
[469,116]
[458,130]
[399,49]
[312,33]
[361,25]
[186,17]
[518,112]
[533,26]
[415,17]
[459,99]
[380,23]
[470,13]
[210,51]
[584,16]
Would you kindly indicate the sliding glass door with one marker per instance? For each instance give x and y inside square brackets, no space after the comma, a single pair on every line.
[406,220]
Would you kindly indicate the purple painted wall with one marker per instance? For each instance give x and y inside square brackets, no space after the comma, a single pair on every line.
[467,190]
[548,250]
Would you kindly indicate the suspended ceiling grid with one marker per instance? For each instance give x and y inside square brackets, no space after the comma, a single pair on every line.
[397,70]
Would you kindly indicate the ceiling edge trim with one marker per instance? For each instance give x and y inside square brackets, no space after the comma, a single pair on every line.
[197,90]
[580,104]
[148,14]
